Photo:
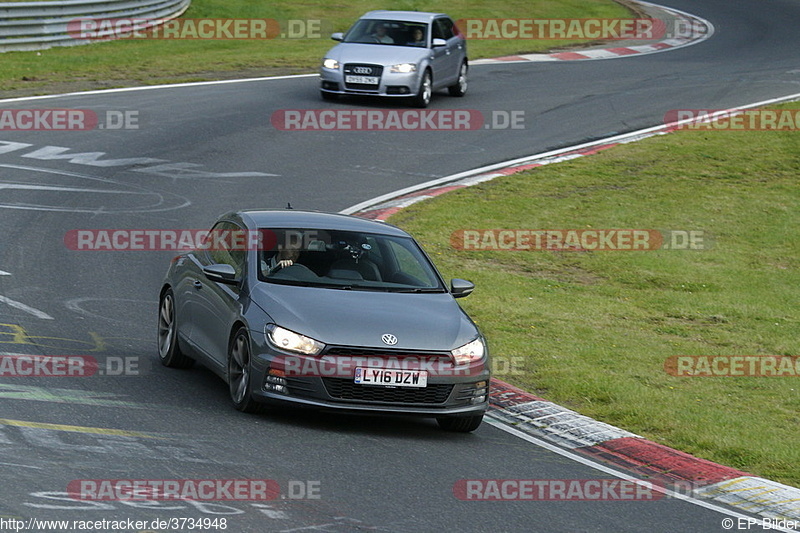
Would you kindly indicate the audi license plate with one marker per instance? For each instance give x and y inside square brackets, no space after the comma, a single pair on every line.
[364,80]
[391,377]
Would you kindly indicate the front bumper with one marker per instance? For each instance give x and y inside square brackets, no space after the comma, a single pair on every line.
[444,395]
[391,84]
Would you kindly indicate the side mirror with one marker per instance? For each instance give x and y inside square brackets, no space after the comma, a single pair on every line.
[221,273]
[338,36]
[461,287]
[439,42]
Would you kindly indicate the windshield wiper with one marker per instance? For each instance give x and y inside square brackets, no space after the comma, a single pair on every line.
[419,289]
[294,282]
[368,288]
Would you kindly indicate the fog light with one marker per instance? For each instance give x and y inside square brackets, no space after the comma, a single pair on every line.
[275,382]
[481,391]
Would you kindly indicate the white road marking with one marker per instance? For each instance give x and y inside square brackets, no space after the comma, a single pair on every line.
[153,87]
[21,466]
[4,273]
[23,187]
[22,307]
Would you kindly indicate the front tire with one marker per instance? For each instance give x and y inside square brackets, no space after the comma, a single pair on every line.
[460,88]
[329,97]
[239,373]
[460,424]
[168,349]
[423,97]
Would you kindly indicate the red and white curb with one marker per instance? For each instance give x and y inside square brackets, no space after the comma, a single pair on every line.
[694,30]
[537,417]
[675,470]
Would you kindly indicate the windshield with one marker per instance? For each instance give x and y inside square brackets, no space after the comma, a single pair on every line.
[345,260]
[388,32]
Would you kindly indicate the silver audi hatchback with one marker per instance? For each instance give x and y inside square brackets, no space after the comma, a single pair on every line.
[325,311]
[399,54]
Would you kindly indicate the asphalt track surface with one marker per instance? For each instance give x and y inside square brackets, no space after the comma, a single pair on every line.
[372,474]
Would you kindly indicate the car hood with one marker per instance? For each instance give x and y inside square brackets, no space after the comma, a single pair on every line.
[376,54]
[355,318]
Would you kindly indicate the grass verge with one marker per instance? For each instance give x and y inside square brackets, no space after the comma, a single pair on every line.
[593,329]
[136,62]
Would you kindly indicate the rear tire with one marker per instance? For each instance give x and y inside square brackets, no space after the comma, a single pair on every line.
[239,373]
[460,424]
[168,349]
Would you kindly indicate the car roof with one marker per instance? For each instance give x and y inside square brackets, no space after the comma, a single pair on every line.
[292,218]
[404,16]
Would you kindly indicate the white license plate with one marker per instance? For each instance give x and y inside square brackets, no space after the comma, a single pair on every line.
[364,80]
[391,377]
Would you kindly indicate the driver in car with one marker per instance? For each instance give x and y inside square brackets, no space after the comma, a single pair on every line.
[286,256]
[381,36]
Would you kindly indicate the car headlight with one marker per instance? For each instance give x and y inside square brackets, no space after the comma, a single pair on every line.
[289,341]
[403,68]
[469,353]
[331,64]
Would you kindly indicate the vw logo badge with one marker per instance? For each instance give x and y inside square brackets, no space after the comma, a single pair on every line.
[389,339]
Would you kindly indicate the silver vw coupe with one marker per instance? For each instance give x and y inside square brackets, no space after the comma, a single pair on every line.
[325,311]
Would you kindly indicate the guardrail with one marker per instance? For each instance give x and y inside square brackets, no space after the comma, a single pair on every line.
[40,25]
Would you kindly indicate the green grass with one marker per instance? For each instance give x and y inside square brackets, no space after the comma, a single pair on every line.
[124,62]
[593,329]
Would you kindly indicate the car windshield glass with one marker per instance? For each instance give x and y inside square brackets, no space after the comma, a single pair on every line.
[388,32]
[345,260]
